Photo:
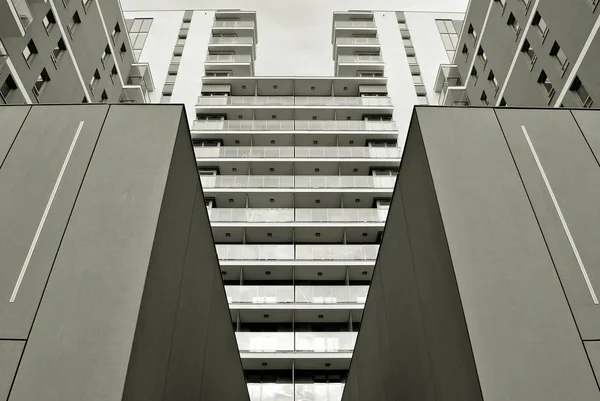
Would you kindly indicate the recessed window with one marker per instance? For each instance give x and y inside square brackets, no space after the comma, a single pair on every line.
[514,24]
[40,82]
[58,51]
[501,3]
[417,79]
[8,86]
[86,4]
[474,72]
[559,57]
[171,78]
[49,21]
[180,42]
[115,32]
[94,81]
[493,80]
[412,60]
[30,51]
[73,24]
[407,42]
[484,98]
[113,74]
[482,56]
[465,51]
[103,97]
[546,84]
[539,23]
[176,59]
[471,31]
[502,102]
[581,93]
[122,51]
[422,99]
[528,50]
[105,55]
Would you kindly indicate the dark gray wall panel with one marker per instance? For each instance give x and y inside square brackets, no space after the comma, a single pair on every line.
[10,354]
[82,338]
[518,319]
[27,179]
[588,123]
[12,118]
[593,351]
[573,174]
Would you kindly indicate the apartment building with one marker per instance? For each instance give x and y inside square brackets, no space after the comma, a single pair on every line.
[525,53]
[297,172]
[58,51]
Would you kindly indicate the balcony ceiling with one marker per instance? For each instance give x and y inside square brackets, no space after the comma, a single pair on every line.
[305,361]
[316,166]
[357,270]
[299,315]
[258,234]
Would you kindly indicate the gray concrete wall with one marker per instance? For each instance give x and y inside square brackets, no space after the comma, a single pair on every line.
[122,298]
[476,289]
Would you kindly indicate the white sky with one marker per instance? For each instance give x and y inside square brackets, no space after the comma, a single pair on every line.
[303,25]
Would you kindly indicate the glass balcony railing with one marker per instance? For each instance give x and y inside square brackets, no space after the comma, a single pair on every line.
[326,294]
[23,11]
[367,59]
[287,294]
[238,40]
[233,24]
[356,152]
[355,24]
[228,58]
[357,41]
[340,101]
[299,181]
[251,252]
[301,392]
[291,125]
[289,215]
[303,342]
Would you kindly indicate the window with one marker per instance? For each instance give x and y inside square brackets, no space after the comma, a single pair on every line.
[449,36]
[581,93]
[84,100]
[501,3]
[531,57]
[94,81]
[73,24]
[482,56]
[493,80]
[371,74]
[115,32]
[218,73]
[40,83]
[417,79]
[7,88]
[105,55]
[402,25]
[49,21]
[29,52]
[180,42]
[513,23]
[407,42]
[546,85]
[502,102]
[422,99]
[559,57]
[465,51]
[122,51]
[471,31]
[58,51]
[138,33]
[484,98]
[165,99]
[474,73]
[103,97]
[412,60]
[526,4]
[540,24]
[176,59]
[86,4]
[113,74]
[171,78]
[185,25]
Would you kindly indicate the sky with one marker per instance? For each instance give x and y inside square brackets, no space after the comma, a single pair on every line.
[303,24]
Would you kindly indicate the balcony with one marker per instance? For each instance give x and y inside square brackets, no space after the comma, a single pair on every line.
[15,17]
[291,152]
[289,215]
[298,182]
[296,252]
[316,295]
[355,25]
[347,46]
[299,392]
[240,45]
[350,65]
[233,24]
[306,101]
[239,64]
[293,125]
[231,40]
[449,85]
[360,59]
[138,85]
[289,342]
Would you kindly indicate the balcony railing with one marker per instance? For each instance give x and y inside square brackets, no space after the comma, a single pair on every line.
[351,152]
[299,181]
[357,41]
[296,252]
[366,101]
[233,24]
[366,59]
[23,11]
[303,341]
[301,392]
[231,41]
[355,24]
[228,58]
[287,294]
[293,125]
[284,215]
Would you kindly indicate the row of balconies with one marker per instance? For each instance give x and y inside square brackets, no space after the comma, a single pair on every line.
[339,101]
[291,215]
[245,58]
[289,294]
[298,181]
[293,125]
[326,152]
[297,252]
[237,40]
[295,392]
[296,342]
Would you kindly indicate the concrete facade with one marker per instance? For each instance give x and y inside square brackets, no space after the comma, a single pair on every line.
[484,287]
[109,280]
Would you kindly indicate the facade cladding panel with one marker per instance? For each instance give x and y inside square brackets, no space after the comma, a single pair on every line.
[111,284]
[477,285]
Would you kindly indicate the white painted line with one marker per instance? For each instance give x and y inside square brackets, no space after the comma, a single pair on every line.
[110,43]
[584,50]
[480,37]
[562,218]
[45,215]
[518,51]
[66,39]
[17,78]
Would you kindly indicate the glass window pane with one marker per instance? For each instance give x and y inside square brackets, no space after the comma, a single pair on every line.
[147,23]
[454,39]
[137,24]
[450,26]
[450,56]
[129,24]
[447,42]
[441,26]
[139,43]
[137,54]
[132,37]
